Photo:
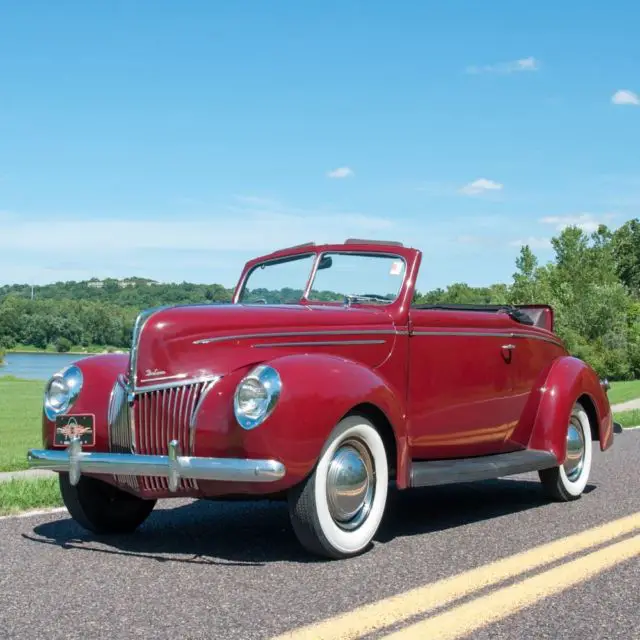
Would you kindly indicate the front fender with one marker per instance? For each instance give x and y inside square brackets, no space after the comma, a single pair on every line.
[548,410]
[317,391]
[99,374]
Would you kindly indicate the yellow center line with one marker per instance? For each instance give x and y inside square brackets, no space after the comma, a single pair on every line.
[466,618]
[418,601]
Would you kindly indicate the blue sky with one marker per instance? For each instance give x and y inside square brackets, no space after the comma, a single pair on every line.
[175,140]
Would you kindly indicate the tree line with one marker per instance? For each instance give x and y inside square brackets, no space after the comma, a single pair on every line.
[592,282]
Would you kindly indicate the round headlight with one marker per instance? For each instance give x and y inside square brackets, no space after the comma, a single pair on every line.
[256,396]
[62,391]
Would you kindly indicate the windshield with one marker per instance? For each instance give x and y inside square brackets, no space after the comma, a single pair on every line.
[357,277]
[278,281]
[360,277]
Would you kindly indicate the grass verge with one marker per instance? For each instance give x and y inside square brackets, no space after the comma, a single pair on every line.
[623,391]
[628,418]
[20,421]
[26,494]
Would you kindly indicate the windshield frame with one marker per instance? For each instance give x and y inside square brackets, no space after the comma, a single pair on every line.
[319,254]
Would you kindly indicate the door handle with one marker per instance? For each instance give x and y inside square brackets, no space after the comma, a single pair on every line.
[507,352]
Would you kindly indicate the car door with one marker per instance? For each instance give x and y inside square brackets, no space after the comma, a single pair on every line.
[461,398]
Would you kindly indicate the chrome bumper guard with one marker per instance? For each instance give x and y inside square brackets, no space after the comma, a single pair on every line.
[75,461]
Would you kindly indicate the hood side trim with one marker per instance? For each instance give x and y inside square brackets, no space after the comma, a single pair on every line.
[293,334]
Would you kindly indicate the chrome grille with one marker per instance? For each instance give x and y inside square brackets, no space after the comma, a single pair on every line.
[165,415]
[157,417]
[161,416]
[120,432]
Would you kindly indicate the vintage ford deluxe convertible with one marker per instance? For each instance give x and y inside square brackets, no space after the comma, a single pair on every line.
[321,383]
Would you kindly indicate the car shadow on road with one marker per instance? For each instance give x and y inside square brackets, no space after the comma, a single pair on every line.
[258,533]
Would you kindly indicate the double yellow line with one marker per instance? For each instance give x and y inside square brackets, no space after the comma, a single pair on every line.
[493,606]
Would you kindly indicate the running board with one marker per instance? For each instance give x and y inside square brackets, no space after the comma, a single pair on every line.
[434,472]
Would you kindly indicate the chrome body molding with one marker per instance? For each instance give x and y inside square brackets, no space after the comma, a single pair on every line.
[141,321]
[304,334]
[172,467]
[489,334]
[177,376]
[317,343]
[370,332]
[185,382]
[208,385]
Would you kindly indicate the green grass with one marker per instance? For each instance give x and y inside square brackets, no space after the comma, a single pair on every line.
[20,420]
[628,418]
[23,495]
[623,391]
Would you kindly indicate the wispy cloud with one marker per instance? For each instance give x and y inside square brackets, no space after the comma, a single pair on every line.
[479,241]
[341,172]
[480,186]
[513,66]
[626,97]
[533,242]
[123,246]
[588,222]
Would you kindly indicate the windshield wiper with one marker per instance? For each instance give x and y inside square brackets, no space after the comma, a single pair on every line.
[365,297]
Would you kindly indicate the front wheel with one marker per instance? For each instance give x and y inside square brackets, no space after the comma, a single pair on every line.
[102,508]
[568,481]
[337,509]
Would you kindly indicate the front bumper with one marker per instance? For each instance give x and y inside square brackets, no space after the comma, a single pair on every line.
[75,461]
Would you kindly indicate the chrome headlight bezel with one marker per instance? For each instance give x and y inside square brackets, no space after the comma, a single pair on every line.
[268,381]
[70,380]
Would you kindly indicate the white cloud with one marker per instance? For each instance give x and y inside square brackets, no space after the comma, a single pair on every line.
[156,247]
[482,185]
[341,172]
[533,242]
[585,221]
[624,96]
[513,66]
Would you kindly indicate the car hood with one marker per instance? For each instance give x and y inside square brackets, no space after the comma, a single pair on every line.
[182,343]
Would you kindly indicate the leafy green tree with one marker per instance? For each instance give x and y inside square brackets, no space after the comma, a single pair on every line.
[626,251]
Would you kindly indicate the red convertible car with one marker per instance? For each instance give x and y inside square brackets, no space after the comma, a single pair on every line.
[321,383]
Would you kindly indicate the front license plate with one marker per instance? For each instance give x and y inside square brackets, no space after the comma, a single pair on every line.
[69,426]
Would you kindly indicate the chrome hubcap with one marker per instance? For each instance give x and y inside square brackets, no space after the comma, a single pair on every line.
[575,451]
[350,484]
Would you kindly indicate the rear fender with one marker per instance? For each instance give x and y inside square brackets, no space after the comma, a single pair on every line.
[317,392]
[548,410]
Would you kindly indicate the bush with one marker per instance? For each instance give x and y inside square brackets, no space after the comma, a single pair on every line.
[63,345]
[7,342]
[2,353]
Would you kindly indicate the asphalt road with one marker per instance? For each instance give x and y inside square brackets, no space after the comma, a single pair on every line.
[207,570]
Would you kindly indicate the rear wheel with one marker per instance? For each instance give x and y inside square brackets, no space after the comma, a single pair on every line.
[102,508]
[568,481]
[337,509]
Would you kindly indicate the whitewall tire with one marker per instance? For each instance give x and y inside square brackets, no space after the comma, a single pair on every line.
[568,481]
[336,511]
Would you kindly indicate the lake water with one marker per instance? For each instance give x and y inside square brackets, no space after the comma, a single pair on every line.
[36,366]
